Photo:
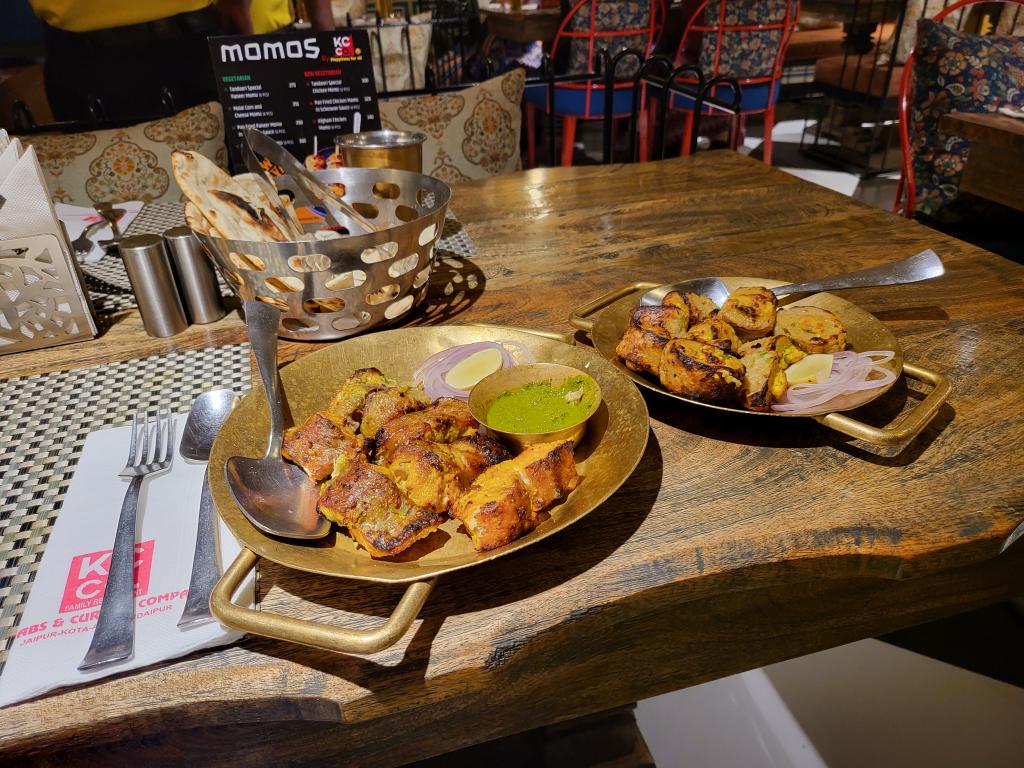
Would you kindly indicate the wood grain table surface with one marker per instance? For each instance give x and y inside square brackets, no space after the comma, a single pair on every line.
[739,541]
[995,163]
[523,26]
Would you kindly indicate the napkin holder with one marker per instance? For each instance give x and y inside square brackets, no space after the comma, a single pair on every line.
[42,301]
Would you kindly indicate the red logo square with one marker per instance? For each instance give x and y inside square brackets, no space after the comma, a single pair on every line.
[87,577]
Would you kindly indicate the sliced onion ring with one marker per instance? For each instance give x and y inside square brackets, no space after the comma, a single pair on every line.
[851,372]
[432,371]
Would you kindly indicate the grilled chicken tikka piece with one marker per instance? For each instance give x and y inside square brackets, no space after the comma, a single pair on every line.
[506,500]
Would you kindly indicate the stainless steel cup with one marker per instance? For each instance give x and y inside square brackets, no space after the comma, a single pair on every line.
[149,271]
[402,150]
[196,276]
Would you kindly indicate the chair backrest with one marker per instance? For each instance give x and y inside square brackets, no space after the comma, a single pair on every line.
[745,39]
[593,25]
[906,192]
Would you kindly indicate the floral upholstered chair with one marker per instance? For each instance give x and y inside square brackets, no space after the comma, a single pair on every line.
[589,27]
[471,134]
[745,39]
[113,166]
[952,71]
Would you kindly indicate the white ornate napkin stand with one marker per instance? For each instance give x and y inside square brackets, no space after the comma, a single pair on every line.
[42,301]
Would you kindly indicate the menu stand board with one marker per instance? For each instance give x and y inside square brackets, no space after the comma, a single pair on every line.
[302,89]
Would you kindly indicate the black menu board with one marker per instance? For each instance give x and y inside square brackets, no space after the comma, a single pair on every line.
[296,88]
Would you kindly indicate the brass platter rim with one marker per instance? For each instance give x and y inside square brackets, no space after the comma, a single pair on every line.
[633,299]
[628,412]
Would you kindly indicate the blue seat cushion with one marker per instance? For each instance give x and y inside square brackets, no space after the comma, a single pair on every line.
[573,101]
[753,98]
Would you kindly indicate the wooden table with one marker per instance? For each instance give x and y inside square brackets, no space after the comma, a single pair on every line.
[736,543]
[995,165]
[522,26]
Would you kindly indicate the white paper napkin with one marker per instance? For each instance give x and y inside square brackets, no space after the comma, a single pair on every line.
[9,157]
[60,617]
[76,218]
[26,208]
[4,139]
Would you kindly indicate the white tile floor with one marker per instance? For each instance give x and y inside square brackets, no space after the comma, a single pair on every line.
[864,704]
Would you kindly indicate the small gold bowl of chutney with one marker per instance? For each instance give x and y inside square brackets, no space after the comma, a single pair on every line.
[536,403]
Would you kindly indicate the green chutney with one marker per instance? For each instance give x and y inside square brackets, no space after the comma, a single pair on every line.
[542,407]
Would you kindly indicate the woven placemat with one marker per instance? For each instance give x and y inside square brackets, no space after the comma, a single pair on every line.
[108,282]
[43,427]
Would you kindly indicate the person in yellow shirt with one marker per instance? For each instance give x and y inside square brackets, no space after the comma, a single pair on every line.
[130,60]
[279,15]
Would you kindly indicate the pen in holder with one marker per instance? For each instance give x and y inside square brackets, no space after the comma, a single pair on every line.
[42,301]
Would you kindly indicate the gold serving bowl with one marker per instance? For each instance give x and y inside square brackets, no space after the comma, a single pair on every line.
[483,395]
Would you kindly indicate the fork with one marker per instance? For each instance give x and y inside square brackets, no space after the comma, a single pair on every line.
[114,638]
[82,244]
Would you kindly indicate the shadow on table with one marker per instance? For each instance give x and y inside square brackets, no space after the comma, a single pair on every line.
[455,285]
[518,576]
[796,433]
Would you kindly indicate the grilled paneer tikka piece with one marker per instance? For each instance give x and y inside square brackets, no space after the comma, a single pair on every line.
[751,311]
[669,322]
[700,370]
[717,332]
[506,500]
[700,308]
[789,352]
[641,350]
[812,329]
[764,379]
[316,445]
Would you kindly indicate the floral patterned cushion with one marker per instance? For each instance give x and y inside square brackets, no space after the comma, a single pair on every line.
[112,166]
[609,16]
[743,52]
[471,134]
[954,71]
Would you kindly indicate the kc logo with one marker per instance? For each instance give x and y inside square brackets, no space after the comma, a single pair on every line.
[343,45]
[87,577]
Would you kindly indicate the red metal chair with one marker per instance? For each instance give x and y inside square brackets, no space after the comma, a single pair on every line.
[588,27]
[746,39]
[906,192]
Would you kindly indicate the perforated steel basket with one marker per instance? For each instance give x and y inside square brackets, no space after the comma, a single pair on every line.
[331,289]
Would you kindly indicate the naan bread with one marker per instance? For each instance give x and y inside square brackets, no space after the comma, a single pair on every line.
[195,219]
[222,200]
[260,192]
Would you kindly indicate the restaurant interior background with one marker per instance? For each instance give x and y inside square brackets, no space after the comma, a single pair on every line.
[947,692]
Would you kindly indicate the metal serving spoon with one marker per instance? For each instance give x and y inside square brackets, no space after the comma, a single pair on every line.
[923,266]
[276,497]
[208,414]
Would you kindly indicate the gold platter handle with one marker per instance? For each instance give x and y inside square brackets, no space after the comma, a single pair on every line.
[322,636]
[910,426]
[578,318]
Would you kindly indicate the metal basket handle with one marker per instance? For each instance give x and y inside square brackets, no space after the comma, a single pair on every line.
[311,633]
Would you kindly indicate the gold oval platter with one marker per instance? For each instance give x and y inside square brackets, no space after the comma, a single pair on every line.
[607,317]
[864,332]
[606,457]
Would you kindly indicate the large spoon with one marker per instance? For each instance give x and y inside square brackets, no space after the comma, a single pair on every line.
[209,411]
[923,266]
[276,497]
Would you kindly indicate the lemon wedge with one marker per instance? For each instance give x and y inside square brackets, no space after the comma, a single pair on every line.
[467,373]
[813,369]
